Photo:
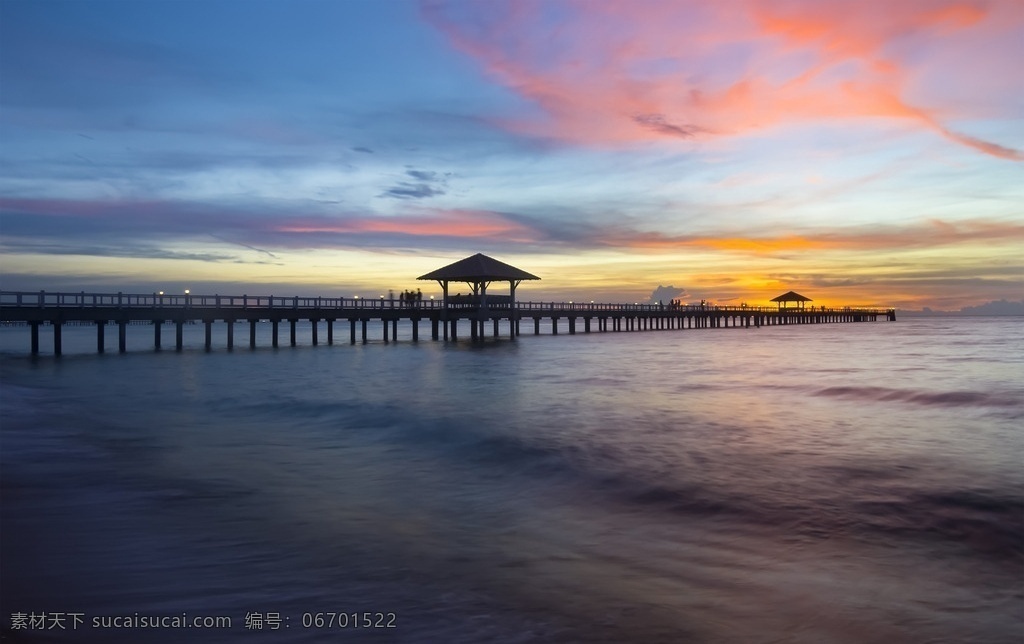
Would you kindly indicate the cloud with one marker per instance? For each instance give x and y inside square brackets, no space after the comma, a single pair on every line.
[120,219]
[456,224]
[102,224]
[931,234]
[258,250]
[141,251]
[423,175]
[665,294]
[614,73]
[428,184]
[1000,307]
[114,227]
[657,123]
[412,191]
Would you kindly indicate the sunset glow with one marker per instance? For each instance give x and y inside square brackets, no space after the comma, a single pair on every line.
[859,153]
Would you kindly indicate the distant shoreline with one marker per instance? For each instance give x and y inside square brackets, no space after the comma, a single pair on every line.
[955,314]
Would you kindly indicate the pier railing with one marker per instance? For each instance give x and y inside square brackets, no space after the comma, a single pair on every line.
[44,299]
[39,308]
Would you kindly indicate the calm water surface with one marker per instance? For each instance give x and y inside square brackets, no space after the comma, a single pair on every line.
[838,483]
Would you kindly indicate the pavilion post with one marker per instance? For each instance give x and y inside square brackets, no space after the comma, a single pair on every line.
[481,312]
[512,309]
[444,307]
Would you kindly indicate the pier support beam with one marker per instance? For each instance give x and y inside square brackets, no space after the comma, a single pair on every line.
[178,335]
[364,321]
[330,332]
[231,334]
[273,333]
[122,336]
[435,333]
[208,333]
[252,334]
[99,335]
[352,330]
[415,329]
[385,325]
[315,324]
[156,333]
[57,344]
[291,327]
[34,326]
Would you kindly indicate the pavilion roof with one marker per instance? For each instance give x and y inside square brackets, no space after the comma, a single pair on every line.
[791,296]
[478,268]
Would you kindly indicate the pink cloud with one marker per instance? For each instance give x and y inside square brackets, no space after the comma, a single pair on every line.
[616,72]
[452,223]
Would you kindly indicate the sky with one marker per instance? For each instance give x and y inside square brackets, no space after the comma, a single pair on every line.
[859,153]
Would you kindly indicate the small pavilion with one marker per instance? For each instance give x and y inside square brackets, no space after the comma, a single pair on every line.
[478,272]
[791,296]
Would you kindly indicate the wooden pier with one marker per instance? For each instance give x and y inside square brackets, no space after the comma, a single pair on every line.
[445,317]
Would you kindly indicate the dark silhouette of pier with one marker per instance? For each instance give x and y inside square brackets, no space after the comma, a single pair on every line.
[446,318]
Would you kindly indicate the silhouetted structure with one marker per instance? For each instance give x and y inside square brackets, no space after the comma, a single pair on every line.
[791,296]
[55,310]
[478,271]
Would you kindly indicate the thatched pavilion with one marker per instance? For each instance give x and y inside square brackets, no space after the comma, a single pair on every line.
[478,272]
[791,296]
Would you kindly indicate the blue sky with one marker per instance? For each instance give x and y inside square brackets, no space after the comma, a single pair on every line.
[857,154]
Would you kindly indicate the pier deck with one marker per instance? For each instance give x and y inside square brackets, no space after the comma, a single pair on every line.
[121,309]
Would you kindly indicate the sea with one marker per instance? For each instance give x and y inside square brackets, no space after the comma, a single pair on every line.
[847,483]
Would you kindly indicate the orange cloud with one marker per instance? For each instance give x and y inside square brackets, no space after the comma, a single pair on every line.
[626,72]
[932,234]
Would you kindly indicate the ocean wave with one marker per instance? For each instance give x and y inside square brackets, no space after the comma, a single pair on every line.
[841,505]
[987,521]
[933,398]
